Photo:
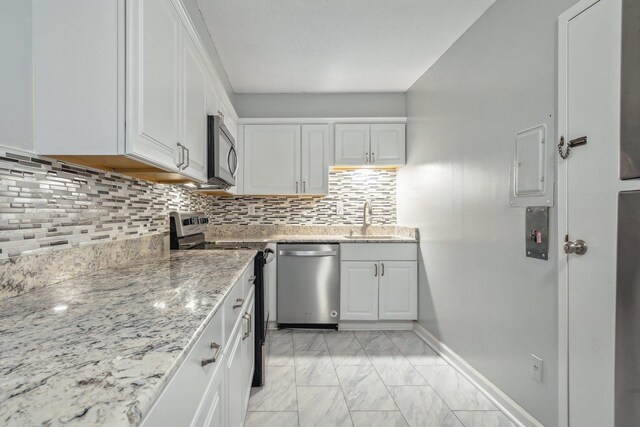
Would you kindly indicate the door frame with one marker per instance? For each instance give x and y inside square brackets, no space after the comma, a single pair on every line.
[562,221]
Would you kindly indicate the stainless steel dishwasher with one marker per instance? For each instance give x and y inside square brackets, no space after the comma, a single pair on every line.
[308,286]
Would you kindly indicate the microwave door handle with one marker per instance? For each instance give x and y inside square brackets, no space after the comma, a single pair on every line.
[235,161]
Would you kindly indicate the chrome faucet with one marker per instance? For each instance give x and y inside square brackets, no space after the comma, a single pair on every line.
[366,217]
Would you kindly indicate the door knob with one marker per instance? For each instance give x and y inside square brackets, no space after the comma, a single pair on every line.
[579,247]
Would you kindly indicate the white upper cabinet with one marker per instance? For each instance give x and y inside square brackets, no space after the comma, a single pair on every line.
[352,144]
[387,145]
[271,159]
[154,86]
[194,111]
[315,159]
[286,159]
[370,144]
[124,86]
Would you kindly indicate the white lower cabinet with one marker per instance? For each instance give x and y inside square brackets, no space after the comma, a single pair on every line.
[358,290]
[211,386]
[234,381]
[378,281]
[398,290]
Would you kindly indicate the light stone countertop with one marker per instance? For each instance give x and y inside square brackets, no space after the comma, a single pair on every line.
[98,349]
[322,238]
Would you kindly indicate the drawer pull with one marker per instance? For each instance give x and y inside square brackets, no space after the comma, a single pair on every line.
[247,317]
[218,348]
[238,303]
[252,279]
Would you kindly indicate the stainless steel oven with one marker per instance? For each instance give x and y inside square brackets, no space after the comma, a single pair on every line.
[222,158]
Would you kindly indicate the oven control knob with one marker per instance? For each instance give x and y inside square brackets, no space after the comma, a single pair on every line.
[334,313]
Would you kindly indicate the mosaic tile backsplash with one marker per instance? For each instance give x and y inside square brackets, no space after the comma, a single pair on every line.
[49,205]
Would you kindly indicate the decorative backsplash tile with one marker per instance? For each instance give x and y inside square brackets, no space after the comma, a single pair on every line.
[48,205]
[349,187]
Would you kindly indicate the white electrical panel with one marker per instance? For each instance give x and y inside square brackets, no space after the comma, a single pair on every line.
[532,170]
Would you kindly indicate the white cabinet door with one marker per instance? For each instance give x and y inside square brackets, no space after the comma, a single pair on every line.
[234,381]
[359,290]
[271,159]
[315,159]
[212,409]
[194,110]
[351,144]
[398,290]
[248,346]
[388,144]
[154,82]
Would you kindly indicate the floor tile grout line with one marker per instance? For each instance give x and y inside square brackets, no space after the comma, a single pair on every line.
[395,402]
[436,391]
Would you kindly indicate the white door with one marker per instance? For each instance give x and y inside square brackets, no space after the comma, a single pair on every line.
[234,380]
[359,290]
[315,159]
[154,82]
[352,144]
[388,145]
[589,89]
[194,110]
[271,159]
[398,290]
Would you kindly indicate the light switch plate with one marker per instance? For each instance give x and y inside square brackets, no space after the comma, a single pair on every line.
[252,210]
[339,208]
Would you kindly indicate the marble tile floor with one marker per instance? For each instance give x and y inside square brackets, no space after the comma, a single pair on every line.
[364,379]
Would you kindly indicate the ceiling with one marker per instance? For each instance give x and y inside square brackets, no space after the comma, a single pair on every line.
[329,46]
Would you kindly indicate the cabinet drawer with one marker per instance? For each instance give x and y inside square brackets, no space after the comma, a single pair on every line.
[379,251]
[180,400]
[248,278]
[231,314]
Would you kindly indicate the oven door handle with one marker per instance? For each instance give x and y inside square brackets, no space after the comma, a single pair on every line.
[268,252]
[308,253]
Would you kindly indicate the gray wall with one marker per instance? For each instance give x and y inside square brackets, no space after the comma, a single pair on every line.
[478,293]
[320,105]
[16,113]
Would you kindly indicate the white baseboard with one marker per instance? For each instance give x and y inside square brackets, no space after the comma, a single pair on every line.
[515,412]
[389,325]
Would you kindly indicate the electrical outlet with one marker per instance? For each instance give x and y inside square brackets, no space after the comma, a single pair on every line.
[339,208]
[536,368]
[252,210]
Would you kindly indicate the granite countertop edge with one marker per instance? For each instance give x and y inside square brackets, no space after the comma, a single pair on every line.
[166,378]
[137,404]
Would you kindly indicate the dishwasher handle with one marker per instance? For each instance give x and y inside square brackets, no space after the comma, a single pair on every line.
[308,253]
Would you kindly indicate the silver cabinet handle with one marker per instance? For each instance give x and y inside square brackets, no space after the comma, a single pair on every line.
[376,273]
[367,161]
[252,279]
[181,157]
[373,158]
[218,348]
[188,158]
[308,253]
[247,317]
[296,187]
[304,186]
[238,303]
[382,265]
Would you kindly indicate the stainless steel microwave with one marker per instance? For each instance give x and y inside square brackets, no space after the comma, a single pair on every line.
[222,158]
